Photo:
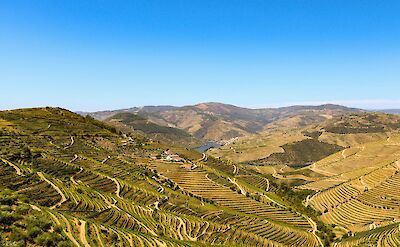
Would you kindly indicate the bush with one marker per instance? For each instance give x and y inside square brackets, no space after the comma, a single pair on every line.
[64,244]
[33,232]
[22,209]
[18,234]
[48,239]
[7,218]
[40,223]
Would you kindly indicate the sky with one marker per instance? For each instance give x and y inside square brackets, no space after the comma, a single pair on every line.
[96,54]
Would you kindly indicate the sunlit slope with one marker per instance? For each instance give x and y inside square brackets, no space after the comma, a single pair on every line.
[291,136]
[371,154]
[360,190]
[257,146]
[350,140]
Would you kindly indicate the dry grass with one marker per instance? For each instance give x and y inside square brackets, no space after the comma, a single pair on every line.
[367,155]
[350,140]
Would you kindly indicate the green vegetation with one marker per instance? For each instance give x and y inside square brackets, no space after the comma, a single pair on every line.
[20,225]
[301,153]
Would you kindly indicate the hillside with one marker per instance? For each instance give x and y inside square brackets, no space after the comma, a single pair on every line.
[128,122]
[359,189]
[290,143]
[90,185]
[301,153]
[100,188]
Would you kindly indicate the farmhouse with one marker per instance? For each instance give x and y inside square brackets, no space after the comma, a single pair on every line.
[174,157]
[169,156]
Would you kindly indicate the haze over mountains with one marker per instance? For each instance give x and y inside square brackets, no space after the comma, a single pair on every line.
[391,111]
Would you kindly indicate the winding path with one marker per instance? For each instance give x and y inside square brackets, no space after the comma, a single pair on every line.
[63,198]
[184,231]
[315,229]
[82,233]
[68,231]
[240,187]
[72,143]
[118,191]
[235,170]
[105,160]
[17,169]
[98,235]
[75,158]
[268,184]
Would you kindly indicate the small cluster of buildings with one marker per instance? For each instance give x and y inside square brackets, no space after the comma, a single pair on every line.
[173,157]
[169,156]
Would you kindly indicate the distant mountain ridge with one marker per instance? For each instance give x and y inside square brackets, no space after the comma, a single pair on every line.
[102,115]
[221,122]
[390,111]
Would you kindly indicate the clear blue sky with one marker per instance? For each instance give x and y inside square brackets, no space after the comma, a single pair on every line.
[93,55]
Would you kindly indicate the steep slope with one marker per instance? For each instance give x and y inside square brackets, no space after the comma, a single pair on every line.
[24,224]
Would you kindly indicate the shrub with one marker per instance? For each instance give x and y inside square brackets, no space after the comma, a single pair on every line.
[48,239]
[33,232]
[7,218]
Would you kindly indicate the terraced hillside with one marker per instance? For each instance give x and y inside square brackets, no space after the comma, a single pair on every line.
[358,192]
[293,143]
[353,187]
[96,187]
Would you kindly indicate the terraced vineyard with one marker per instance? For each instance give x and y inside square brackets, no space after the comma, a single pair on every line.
[104,189]
[99,187]
[362,200]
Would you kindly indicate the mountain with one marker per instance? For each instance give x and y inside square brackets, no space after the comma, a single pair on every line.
[223,122]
